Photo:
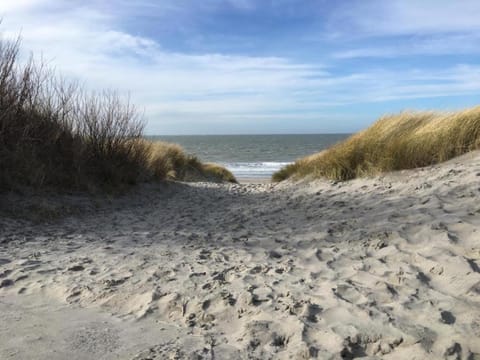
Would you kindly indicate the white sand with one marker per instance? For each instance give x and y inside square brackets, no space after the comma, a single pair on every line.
[386,267]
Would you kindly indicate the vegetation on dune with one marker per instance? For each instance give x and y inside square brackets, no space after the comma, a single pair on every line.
[55,134]
[169,161]
[395,142]
[213,171]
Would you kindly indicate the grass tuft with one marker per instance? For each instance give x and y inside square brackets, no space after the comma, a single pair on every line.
[395,142]
[215,172]
[170,161]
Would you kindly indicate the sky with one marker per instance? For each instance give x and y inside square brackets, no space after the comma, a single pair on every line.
[260,66]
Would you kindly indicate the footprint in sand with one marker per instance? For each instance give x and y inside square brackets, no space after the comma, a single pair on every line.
[348,294]
[76,268]
[5,273]
[6,283]
[311,312]
[4,261]
[447,317]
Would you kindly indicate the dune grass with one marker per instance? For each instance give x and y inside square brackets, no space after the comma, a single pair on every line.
[54,134]
[395,142]
[213,172]
[170,161]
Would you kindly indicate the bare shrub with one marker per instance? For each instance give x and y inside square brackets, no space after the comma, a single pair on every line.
[53,133]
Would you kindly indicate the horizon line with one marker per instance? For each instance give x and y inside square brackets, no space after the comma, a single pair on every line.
[256,134]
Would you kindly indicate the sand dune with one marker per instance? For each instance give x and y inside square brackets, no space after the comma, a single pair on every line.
[387,267]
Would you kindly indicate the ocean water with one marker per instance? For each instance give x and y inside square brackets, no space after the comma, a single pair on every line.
[253,156]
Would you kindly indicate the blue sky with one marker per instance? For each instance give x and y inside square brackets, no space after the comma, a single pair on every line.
[261,66]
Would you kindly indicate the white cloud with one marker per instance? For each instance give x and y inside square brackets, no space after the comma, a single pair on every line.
[86,45]
[10,6]
[179,89]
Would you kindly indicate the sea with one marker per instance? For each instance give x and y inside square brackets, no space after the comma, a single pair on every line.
[252,156]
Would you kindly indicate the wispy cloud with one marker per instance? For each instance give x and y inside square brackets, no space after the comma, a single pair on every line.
[456,44]
[406,17]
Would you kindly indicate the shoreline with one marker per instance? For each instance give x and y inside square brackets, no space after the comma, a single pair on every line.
[385,267]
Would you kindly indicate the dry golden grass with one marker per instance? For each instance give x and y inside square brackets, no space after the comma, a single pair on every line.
[215,172]
[165,160]
[169,161]
[395,142]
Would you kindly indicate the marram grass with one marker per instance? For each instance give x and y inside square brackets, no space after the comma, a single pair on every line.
[404,141]
[169,161]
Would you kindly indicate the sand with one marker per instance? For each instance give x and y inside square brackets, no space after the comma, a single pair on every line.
[387,267]
[255,180]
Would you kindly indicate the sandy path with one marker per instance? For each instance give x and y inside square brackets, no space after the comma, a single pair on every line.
[386,267]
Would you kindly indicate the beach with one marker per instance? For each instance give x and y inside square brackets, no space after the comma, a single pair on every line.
[383,267]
